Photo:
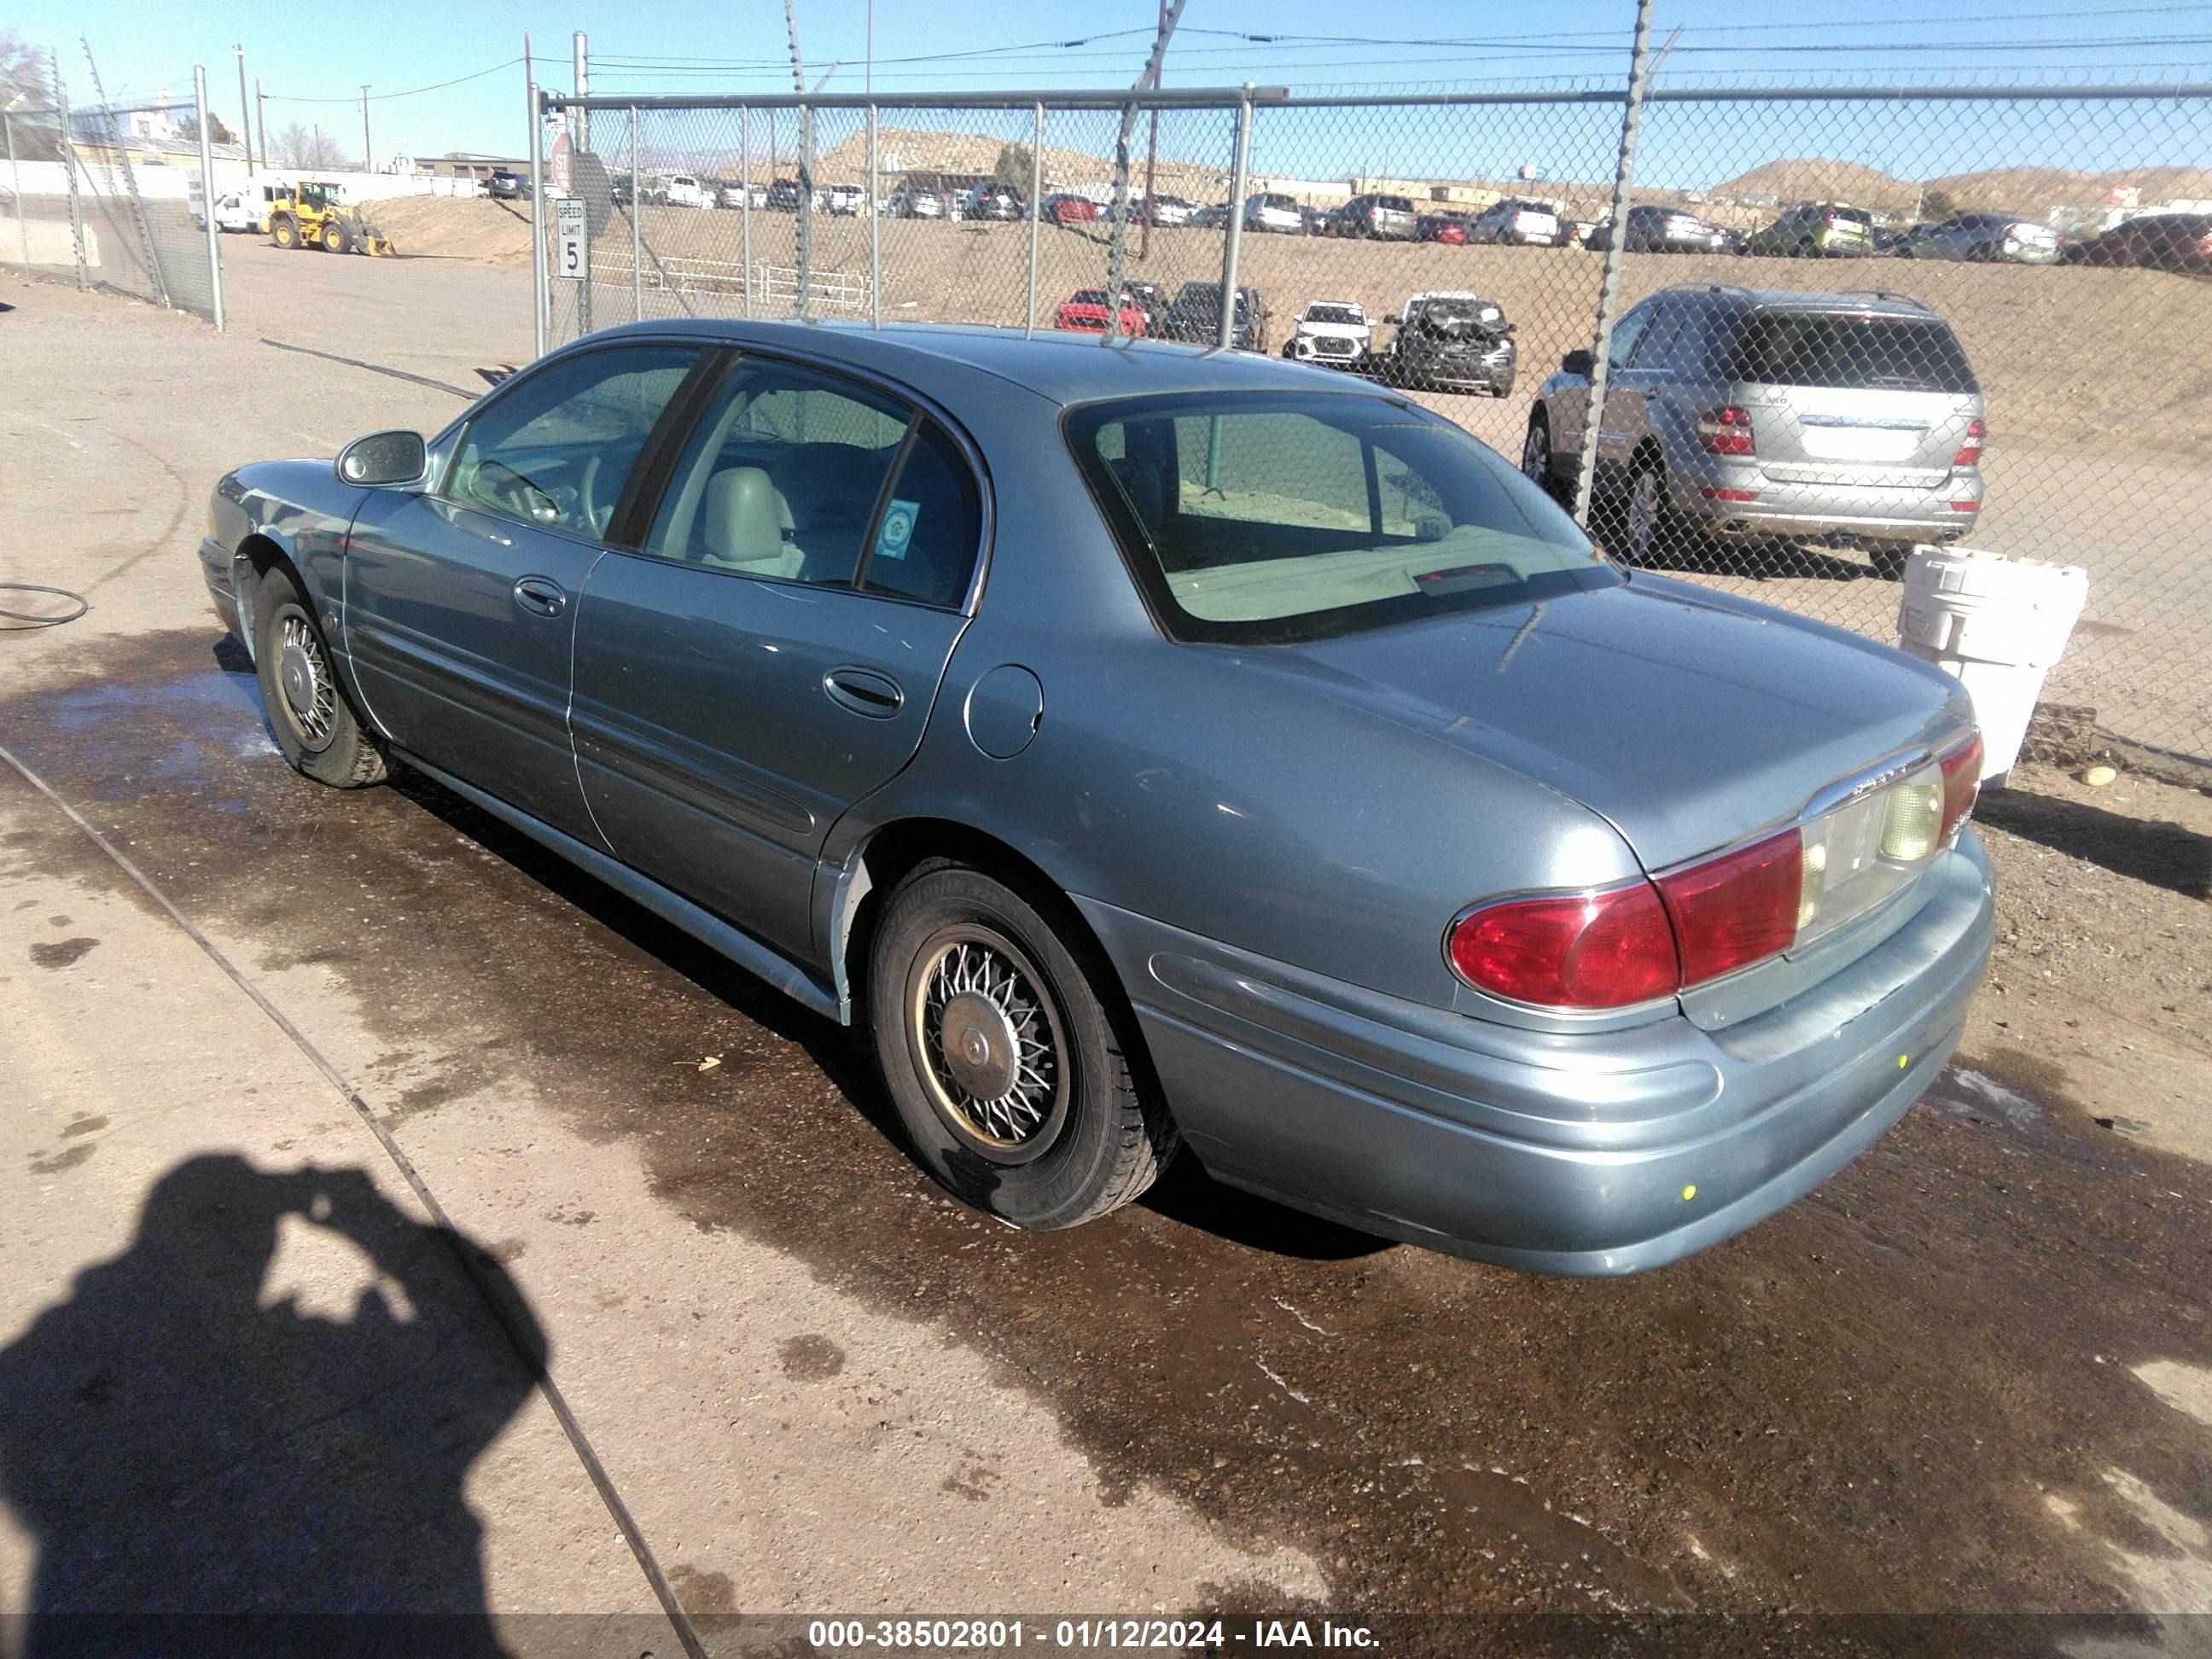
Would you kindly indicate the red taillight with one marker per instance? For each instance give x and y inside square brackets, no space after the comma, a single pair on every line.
[1726,431]
[2204,245]
[1604,949]
[1713,494]
[1970,453]
[1738,909]
[1966,506]
[1962,782]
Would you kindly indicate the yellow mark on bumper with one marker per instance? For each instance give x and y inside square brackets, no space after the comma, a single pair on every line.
[1689,1192]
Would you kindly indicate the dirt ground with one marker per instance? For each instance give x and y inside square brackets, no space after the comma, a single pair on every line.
[1958,1400]
[2061,351]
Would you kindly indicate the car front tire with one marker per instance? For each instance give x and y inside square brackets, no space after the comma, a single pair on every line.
[996,1041]
[314,725]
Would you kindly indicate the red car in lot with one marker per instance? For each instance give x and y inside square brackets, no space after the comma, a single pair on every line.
[1085,311]
[1070,210]
[1446,227]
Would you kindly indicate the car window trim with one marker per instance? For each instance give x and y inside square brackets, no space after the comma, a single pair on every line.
[860,581]
[441,490]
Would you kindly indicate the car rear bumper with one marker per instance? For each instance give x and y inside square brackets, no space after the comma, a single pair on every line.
[1790,508]
[1598,1154]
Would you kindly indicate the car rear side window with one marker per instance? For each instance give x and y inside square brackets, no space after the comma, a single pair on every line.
[928,531]
[1264,518]
[782,476]
[1843,349]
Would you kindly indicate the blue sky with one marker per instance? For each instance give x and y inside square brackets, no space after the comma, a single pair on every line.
[325,52]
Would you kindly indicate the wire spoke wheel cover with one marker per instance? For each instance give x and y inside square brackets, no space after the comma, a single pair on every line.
[303,672]
[987,1041]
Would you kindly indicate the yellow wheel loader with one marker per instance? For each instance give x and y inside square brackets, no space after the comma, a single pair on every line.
[308,215]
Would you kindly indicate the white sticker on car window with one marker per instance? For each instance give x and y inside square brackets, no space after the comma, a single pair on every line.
[899,520]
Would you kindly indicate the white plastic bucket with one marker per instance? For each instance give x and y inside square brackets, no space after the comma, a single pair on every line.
[1996,623]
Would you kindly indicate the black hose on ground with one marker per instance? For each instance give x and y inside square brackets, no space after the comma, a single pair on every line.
[17,622]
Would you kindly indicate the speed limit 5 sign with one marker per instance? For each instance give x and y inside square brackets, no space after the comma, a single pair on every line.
[569,258]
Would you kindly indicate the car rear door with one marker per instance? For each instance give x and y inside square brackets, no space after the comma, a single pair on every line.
[771,651]
[460,601]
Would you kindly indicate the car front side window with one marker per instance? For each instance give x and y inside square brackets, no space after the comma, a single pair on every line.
[557,450]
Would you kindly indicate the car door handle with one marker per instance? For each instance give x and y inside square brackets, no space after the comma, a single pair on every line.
[863,692]
[541,595]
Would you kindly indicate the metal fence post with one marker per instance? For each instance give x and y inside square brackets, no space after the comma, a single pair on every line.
[636,193]
[581,125]
[1036,215]
[875,234]
[22,218]
[1631,121]
[207,197]
[1233,244]
[745,201]
[541,301]
[69,167]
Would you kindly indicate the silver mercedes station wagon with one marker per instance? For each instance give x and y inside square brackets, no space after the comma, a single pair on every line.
[1153,748]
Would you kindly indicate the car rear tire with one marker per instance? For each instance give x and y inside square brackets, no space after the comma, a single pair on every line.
[1649,530]
[314,727]
[997,1045]
[1536,453]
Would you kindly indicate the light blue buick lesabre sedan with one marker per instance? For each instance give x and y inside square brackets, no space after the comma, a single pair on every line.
[1155,747]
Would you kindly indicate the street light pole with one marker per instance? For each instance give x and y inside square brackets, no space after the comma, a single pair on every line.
[368,156]
[245,111]
[261,120]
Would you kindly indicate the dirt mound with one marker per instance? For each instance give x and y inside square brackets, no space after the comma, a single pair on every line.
[2036,190]
[1816,178]
[443,227]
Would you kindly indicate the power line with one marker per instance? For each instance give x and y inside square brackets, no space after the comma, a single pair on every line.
[383,97]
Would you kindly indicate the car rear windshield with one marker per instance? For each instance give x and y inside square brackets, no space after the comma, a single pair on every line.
[1289,203]
[1395,203]
[1334,314]
[1852,216]
[1264,518]
[1840,348]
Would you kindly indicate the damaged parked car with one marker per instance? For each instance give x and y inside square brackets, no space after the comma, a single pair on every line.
[1452,341]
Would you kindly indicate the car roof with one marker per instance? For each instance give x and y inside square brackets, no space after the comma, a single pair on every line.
[1063,368]
[1772,299]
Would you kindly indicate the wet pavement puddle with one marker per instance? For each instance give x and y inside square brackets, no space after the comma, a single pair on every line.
[1965,1375]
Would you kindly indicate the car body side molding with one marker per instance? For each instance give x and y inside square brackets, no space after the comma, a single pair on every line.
[742,948]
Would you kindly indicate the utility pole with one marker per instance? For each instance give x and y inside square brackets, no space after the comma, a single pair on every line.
[868,75]
[1117,248]
[1152,151]
[245,112]
[368,156]
[261,121]
[805,160]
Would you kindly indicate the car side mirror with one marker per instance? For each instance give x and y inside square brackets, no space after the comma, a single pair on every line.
[1578,363]
[383,460]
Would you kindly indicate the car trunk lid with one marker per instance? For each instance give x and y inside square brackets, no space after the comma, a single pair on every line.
[1690,720]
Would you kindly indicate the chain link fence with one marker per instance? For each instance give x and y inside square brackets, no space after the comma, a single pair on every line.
[84,197]
[1846,321]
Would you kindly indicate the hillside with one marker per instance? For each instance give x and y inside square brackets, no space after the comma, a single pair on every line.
[2032,191]
[1815,178]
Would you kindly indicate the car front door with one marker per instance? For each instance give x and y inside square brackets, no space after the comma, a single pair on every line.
[460,602]
[771,653]
[1621,422]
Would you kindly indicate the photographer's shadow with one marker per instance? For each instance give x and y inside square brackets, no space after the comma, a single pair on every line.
[181,1446]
